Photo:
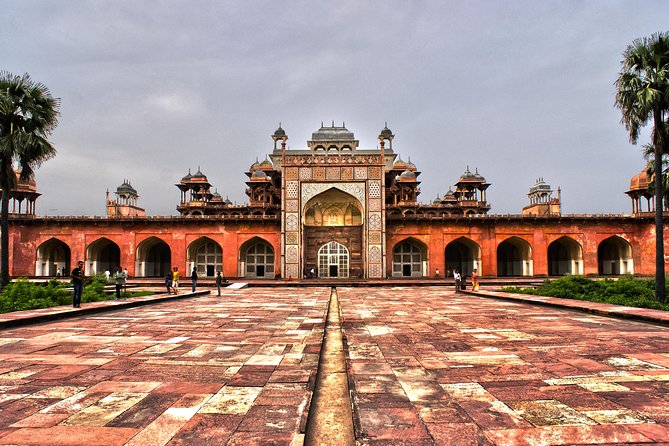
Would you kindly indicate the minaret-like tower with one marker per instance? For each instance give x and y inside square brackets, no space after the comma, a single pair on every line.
[125,204]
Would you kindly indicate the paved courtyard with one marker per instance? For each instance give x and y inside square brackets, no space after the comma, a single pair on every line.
[425,366]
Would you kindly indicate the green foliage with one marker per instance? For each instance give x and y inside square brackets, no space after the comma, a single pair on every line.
[623,291]
[25,295]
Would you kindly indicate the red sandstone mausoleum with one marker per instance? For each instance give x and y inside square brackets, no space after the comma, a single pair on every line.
[333,210]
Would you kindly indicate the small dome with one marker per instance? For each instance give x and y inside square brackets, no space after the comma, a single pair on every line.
[450,195]
[279,133]
[187,177]
[640,181]
[126,188]
[259,175]
[437,200]
[411,166]
[266,165]
[407,175]
[254,166]
[540,186]
[216,197]
[199,175]
[467,175]
[386,132]
[399,164]
[227,201]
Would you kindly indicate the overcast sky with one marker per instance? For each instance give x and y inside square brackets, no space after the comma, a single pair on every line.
[149,89]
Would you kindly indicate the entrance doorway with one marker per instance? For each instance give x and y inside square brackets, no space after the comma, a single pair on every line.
[333,260]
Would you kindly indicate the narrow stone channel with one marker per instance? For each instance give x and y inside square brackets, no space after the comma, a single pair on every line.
[330,419]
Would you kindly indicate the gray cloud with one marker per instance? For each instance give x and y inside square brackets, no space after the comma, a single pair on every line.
[518,89]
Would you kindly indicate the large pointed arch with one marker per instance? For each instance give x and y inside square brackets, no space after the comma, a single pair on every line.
[565,256]
[102,255]
[463,254]
[206,255]
[256,259]
[614,256]
[153,259]
[410,258]
[514,257]
[53,258]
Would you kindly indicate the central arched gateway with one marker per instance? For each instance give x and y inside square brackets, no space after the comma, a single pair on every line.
[206,255]
[333,224]
[333,260]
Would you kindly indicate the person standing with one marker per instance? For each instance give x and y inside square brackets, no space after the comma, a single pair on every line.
[175,279]
[475,280]
[168,281]
[219,282]
[193,278]
[125,282]
[107,275]
[119,279]
[78,284]
[458,280]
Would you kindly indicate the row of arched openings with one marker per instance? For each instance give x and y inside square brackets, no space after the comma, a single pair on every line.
[154,258]
[514,257]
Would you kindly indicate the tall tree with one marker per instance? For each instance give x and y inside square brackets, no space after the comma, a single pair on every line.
[642,96]
[28,115]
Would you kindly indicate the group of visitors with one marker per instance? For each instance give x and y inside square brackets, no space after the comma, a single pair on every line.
[172,280]
[461,282]
[77,275]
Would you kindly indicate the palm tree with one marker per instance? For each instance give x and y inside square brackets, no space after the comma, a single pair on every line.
[28,115]
[649,155]
[643,95]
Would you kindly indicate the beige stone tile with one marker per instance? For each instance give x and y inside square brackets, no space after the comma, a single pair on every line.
[105,410]
[232,400]
[623,416]
[550,413]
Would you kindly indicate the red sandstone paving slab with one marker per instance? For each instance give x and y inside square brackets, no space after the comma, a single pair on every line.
[152,375]
[514,351]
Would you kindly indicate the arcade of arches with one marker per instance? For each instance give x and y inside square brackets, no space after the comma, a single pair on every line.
[335,252]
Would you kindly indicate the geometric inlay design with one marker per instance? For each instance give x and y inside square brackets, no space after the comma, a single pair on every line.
[375,254]
[333,173]
[374,189]
[291,238]
[291,271]
[346,173]
[291,173]
[319,173]
[310,190]
[375,221]
[374,204]
[305,173]
[360,173]
[292,222]
[374,237]
[374,271]
[291,254]
[292,206]
[291,189]
[374,172]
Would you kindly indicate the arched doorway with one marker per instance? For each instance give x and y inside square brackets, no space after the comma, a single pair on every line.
[564,257]
[103,255]
[206,255]
[464,255]
[614,256]
[410,259]
[333,260]
[333,215]
[514,258]
[154,258]
[53,259]
[256,259]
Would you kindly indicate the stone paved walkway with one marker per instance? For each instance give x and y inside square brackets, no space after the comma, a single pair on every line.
[429,366]
[426,367]
[234,370]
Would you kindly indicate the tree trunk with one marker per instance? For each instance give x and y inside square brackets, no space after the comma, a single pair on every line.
[4,230]
[659,142]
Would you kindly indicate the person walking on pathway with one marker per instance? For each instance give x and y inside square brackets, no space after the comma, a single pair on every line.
[119,280]
[475,280]
[458,280]
[193,278]
[175,279]
[78,284]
